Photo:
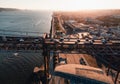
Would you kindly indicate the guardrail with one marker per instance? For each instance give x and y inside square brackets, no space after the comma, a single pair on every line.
[19,33]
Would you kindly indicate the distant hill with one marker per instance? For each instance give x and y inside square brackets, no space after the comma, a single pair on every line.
[8,9]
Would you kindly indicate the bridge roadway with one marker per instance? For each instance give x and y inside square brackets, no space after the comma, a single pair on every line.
[74,41]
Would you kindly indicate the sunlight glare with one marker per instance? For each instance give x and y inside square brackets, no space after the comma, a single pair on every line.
[67,5]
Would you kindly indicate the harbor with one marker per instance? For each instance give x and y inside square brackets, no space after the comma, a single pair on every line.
[63,56]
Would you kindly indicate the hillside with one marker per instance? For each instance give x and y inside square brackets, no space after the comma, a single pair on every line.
[8,9]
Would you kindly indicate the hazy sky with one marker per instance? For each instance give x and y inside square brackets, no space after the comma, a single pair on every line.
[61,4]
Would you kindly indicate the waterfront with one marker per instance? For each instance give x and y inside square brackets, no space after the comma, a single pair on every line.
[69,48]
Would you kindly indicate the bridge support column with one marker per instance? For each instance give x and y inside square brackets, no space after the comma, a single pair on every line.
[46,55]
[108,71]
[116,77]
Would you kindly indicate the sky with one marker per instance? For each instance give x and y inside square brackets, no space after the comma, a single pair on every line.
[61,4]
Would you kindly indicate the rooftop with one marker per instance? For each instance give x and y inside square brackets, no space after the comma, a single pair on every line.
[85,72]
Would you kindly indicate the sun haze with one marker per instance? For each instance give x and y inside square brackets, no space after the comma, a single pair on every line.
[69,5]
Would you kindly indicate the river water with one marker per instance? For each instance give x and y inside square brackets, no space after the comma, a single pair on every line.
[25,21]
